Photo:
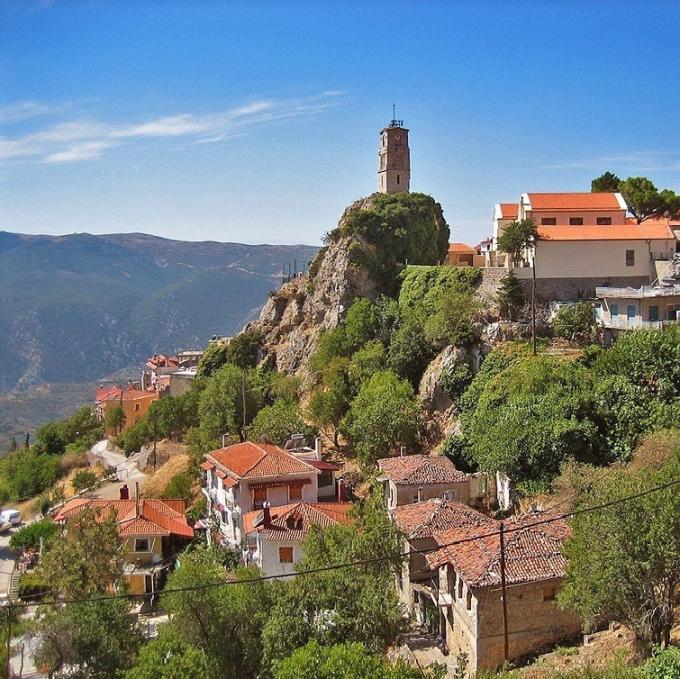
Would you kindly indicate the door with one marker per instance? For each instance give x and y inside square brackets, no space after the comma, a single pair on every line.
[148,583]
[631,314]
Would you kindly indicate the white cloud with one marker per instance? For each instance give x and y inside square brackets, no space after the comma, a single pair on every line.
[23,110]
[83,151]
[84,139]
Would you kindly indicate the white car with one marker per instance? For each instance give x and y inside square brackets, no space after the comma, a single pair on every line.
[11,516]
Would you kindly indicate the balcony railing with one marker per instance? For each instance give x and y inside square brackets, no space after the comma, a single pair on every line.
[626,323]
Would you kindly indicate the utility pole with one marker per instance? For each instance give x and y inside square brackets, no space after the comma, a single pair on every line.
[9,638]
[506,645]
[533,299]
[243,396]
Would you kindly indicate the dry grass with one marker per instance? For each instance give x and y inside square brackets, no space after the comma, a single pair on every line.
[158,480]
[655,449]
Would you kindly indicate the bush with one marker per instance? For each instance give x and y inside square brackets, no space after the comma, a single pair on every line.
[510,296]
[31,586]
[575,322]
[427,284]
[83,479]
[664,664]
[455,380]
[31,534]
[179,487]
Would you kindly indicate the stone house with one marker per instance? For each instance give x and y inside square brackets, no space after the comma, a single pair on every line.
[469,590]
[413,478]
[151,533]
[274,535]
[420,522]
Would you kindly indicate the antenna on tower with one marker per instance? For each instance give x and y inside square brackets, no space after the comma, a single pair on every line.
[394,122]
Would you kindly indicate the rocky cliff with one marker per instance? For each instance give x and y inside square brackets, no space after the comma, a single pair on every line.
[296,314]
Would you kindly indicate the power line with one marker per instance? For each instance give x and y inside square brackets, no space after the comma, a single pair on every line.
[360,562]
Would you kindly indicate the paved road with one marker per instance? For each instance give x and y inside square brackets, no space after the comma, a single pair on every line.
[126,469]
[7,557]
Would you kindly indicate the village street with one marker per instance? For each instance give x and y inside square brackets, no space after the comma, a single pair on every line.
[6,563]
[127,470]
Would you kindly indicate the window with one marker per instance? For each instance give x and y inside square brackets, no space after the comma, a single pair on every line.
[614,310]
[548,221]
[468,600]
[141,544]
[630,257]
[285,555]
[460,588]
[295,492]
[654,313]
[325,478]
[631,312]
[672,311]
[137,407]
[259,497]
[397,179]
[604,221]
[576,221]
[549,593]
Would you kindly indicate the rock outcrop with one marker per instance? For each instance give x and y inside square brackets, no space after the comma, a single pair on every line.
[295,316]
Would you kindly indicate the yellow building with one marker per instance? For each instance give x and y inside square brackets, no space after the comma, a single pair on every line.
[151,533]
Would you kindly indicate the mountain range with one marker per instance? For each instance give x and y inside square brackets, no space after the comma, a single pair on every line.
[77,308]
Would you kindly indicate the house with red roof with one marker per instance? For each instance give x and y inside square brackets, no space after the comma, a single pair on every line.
[406,479]
[469,589]
[134,403]
[274,535]
[248,476]
[587,238]
[151,533]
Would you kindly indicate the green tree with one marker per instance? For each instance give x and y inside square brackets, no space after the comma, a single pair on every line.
[26,473]
[229,403]
[100,638]
[382,417]
[277,422]
[32,534]
[624,561]
[510,296]
[180,486]
[366,361]
[605,183]
[170,657]
[531,416]
[344,605]
[346,661]
[242,350]
[330,400]
[575,322]
[50,439]
[114,419]
[664,664]
[645,201]
[86,560]
[452,320]
[82,479]
[224,622]
[410,350]
[516,238]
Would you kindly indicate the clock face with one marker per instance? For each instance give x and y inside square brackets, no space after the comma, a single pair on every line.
[397,138]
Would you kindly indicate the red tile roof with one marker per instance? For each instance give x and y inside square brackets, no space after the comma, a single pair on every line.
[532,553]
[654,230]
[509,210]
[250,460]
[411,470]
[423,519]
[206,465]
[574,201]
[163,361]
[461,248]
[292,522]
[321,464]
[107,393]
[155,517]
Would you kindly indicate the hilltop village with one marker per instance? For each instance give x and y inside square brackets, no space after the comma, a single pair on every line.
[424,459]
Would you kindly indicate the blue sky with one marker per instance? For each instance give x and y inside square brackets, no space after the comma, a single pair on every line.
[259,121]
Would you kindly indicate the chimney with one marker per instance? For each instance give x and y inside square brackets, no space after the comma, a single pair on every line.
[136,498]
[402,451]
[317,447]
[420,493]
[266,514]
[124,492]
[342,495]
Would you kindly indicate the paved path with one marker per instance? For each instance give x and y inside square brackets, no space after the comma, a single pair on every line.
[127,471]
[7,557]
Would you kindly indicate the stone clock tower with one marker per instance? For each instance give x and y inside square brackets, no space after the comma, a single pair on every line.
[394,159]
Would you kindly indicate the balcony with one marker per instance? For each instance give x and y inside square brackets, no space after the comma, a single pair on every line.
[625,323]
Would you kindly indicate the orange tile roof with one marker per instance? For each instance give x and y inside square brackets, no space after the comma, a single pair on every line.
[532,553]
[509,210]
[423,519]
[574,201]
[656,230]
[251,460]
[107,393]
[461,248]
[412,470]
[156,517]
[293,521]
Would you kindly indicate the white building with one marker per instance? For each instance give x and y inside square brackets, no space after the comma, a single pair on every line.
[243,477]
[274,535]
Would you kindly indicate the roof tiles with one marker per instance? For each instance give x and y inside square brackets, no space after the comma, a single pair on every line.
[574,201]
[293,522]
[420,469]
[424,519]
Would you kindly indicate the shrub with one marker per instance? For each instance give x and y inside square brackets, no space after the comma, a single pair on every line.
[510,296]
[179,487]
[664,664]
[31,586]
[575,322]
[83,479]
[31,534]
[455,380]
